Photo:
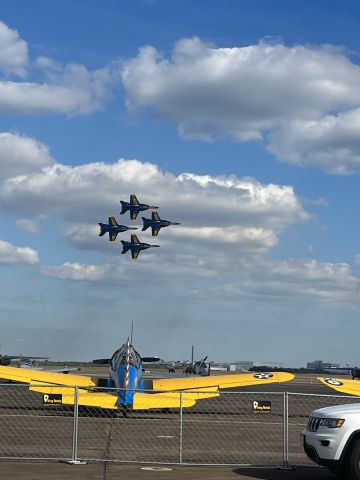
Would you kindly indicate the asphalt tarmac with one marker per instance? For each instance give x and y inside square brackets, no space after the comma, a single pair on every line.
[222,430]
[59,471]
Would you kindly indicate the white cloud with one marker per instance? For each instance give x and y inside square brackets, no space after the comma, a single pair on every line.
[243,212]
[247,92]
[67,89]
[331,143]
[73,91]
[11,254]
[13,52]
[75,271]
[28,226]
[22,155]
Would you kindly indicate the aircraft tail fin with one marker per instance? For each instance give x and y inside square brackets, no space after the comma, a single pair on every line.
[124,207]
[126,246]
[146,224]
[103,229]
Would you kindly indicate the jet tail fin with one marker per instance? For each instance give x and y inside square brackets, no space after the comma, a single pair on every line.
[145,224]
[102,229]
[126,246]
[124,207]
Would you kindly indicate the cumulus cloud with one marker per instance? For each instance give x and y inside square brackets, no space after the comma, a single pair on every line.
[11,254]
[22,155]
[331,143]
[67,89]
[13,52]
[251,92]
[221,210]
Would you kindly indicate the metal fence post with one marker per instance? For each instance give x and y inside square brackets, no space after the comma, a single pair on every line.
[181,429]
[74,460]
[286,430]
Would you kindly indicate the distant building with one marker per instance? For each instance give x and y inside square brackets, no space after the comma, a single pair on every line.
[320,365]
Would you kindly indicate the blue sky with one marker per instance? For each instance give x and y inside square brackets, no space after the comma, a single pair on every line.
[241,120]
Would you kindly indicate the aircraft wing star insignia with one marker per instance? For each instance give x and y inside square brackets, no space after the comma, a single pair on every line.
[332,381]
[263,376]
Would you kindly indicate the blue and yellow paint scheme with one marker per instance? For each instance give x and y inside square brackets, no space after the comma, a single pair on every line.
[113,228]
[156,223]
[134,207]
[135,246]
[127,389]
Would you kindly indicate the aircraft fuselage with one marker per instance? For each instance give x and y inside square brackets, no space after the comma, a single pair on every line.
[126,374]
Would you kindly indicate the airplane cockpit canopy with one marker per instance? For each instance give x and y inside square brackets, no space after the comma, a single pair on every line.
[120,356]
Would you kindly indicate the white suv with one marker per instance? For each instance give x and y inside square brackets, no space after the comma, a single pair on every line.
[332,439]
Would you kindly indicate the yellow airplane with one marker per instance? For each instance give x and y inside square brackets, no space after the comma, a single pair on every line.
[128,390]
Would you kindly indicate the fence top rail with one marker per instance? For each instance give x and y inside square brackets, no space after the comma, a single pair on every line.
[323,395]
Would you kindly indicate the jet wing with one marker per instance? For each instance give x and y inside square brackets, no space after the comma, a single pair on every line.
[113,236]
[28,375]
[220,381]
[134,239]
[352,387]
[155,231]
[133,214]
[155,216]
[133,199]
[113,222]
[135,254]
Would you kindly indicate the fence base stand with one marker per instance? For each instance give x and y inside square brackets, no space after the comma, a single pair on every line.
[285,467]
[75,462]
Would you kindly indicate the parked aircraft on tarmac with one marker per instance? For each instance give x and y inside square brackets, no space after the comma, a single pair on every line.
[156,223]
[135,246]
[113,228]
[131,391]
[353,371]
[6,359]
[134,207]
[199,367]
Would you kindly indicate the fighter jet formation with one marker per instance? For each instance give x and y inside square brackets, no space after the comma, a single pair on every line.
[134,207]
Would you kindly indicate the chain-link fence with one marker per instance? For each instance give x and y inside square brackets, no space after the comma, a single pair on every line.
[235,428]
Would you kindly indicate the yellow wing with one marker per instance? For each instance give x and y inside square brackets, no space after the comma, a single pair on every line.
[145,401]
[352,387]
[86,398]
[62,384]
[220,381]
[113,222]
[26,375]
[155,216]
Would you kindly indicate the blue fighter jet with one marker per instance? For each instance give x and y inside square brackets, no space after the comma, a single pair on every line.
[135,246]
[155,222]
[134,207]
[113,228]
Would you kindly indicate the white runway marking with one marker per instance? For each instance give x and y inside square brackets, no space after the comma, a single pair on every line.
[165,436]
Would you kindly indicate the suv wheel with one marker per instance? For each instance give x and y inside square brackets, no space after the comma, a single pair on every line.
[352,462]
